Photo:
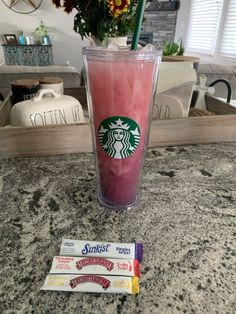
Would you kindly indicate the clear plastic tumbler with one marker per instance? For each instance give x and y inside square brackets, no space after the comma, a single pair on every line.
[120,91]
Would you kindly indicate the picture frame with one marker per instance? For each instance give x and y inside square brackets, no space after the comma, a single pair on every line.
[11,39]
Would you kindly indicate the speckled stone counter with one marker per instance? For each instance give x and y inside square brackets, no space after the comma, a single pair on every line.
[185,218]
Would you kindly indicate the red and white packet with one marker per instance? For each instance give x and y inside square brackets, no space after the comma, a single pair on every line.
[95,265]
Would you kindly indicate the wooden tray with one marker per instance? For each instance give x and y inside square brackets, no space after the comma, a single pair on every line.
[76,138]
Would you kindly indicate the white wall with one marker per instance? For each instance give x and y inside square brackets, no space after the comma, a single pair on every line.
[182,20]
[67,45]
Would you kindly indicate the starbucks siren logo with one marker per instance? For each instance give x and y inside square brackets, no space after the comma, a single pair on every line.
[119,136]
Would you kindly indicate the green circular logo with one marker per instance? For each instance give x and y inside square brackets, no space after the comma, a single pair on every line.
[119,136]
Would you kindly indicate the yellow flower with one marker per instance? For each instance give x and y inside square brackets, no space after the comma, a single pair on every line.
[118,7]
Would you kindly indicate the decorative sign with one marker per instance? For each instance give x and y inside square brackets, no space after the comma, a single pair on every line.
[23,6]
[167,107]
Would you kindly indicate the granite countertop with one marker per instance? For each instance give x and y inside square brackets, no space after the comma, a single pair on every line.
[185,218]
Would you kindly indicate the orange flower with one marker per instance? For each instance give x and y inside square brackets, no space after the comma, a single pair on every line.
[101,18]
[118,7]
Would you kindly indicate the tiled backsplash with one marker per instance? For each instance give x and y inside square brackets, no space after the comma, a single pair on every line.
[160,23]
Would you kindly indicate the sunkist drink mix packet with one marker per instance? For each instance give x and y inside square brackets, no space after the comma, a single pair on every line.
[90,266]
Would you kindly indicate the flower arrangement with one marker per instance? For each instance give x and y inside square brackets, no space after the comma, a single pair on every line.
[100,19]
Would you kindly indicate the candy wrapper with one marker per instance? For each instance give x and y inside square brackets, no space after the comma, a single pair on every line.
[95,265]
[102,249]
[92,283]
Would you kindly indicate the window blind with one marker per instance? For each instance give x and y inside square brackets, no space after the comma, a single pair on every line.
[203,25]
[228,43]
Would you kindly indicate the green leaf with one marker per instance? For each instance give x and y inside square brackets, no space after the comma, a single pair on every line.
[170,49]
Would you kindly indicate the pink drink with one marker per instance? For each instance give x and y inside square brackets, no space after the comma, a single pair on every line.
[121,90]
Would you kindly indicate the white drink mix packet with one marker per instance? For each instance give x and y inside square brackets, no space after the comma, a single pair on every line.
[102,249]
[92,283]
[95,265]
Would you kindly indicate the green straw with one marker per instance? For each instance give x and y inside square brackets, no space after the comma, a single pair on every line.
[138,24]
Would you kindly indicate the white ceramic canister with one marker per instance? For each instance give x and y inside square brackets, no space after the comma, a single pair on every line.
[119,41]
[49,82]
[55,109]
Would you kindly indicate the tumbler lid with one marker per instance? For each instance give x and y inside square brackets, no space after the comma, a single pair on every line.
[50,80]
[25,83]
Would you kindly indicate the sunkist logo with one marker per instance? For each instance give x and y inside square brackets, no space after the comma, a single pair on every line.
[119,136]
[95,249]
[105,283]
[109,265]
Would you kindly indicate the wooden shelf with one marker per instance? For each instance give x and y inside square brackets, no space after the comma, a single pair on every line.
[194,60]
